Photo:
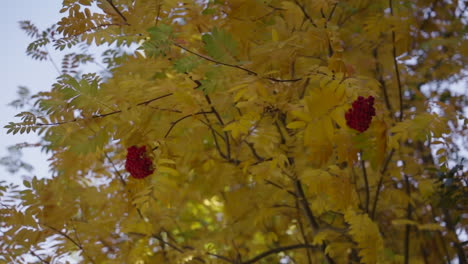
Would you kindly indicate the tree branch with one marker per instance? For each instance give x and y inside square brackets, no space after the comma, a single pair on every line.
[409,211]
[280,187]
[39,257]
[379,185]
[305,205]
[306,15]
[220,120]
[254,151]
[233,65]
[115,170]
[310,216]
[395,64]
[117,11]
[366,183]
[145,103]
[173,124]
[382,82]
[70,239]
[332,12]
[301,229]
[276,250]
[214,132]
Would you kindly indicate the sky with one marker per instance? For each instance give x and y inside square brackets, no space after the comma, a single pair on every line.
[18,69]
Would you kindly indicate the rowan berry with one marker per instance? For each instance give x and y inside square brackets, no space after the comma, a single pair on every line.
[359,116]
[138,163]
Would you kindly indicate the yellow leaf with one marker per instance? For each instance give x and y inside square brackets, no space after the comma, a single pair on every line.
[398,222]
[274,35]
[168,170]
[431,227]
[296,124]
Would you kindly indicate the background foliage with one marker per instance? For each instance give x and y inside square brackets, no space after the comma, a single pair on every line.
[241,106]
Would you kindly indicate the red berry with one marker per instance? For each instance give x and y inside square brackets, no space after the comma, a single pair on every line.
[359,116]
[138,163]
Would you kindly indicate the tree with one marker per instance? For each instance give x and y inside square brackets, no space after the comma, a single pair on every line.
[275,131]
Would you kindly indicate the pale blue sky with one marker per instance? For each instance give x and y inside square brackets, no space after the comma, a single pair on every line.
[18,69]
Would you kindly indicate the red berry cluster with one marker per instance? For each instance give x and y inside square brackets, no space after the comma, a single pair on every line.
[360,115]
[138,163]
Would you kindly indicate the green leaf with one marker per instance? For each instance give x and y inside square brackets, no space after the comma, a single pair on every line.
[160,41]
[186,64]
[161,32]
[213,81]
[220,45]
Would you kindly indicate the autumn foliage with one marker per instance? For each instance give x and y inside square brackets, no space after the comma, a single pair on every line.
[234,131]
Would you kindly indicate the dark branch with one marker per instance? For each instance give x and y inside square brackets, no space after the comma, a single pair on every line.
[306,15]
[233,65]
[395,64]
[115,170]
[182,118]
[220,120]
[145,103]
[382,82]
[305,205]
[379,185]
[276,250]
[366,183]
[117,11]
[39,257]
[71,240]
[409,211]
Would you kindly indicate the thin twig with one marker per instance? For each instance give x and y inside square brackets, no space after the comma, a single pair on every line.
[233,65]
[457,244]
[306,15]
[395,64]
[180,250]
[52,61]
[280,187]
[117,11]
[254,151]
[71,240]
[218,148]
[310,217]
[382,82]
[409,211]
[379,185]
[220,120]
[332,12]
[301,229]
[276,250]
[304,88]
[305,205]
[145,103]
[173,124]
[39,257]
[366,183]
[115,170]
